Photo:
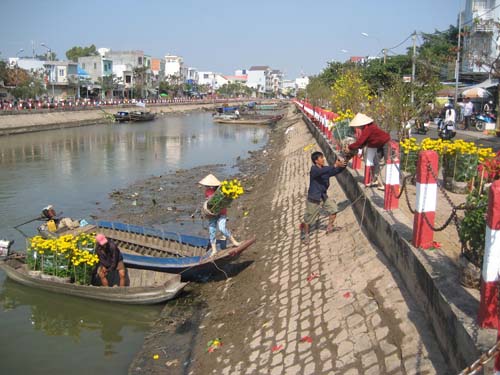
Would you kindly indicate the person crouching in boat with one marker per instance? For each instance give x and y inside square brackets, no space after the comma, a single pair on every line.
[211,183]
[110,259]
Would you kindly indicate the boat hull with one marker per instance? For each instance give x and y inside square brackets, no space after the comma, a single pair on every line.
[126,295]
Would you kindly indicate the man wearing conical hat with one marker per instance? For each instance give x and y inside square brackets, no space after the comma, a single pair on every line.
[219,221]
[374,137]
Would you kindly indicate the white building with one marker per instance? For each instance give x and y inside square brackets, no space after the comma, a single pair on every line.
[276,81]
[259,78]
[192,75]
[174,67]
[302,82]
[480,44]
[31,65]
[240,72]
[206,78]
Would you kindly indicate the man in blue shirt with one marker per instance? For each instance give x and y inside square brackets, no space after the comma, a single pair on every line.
[319,182]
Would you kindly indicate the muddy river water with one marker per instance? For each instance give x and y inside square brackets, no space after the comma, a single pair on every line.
[75,169]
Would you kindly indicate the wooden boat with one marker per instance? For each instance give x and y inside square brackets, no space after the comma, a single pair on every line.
[122,116]
[141,116]
[153,249]
[249,120]
[144,287]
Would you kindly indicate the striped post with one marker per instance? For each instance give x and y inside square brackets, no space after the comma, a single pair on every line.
[356,161]
[488,310]
[423,235]
[369,164]
[391,201]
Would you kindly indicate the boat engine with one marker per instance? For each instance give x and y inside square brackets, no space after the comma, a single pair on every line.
[5,247]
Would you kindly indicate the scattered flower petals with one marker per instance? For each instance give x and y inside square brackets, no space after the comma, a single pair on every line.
[312,276]
[213,345]
[346,295]
[277,348]
[307,339]
[156,356]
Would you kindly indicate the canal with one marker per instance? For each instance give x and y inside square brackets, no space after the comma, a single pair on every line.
[75,169]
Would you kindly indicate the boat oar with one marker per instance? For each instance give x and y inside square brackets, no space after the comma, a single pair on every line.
[29,221]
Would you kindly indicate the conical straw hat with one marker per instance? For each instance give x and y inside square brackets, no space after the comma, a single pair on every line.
[210,180]
[360,120]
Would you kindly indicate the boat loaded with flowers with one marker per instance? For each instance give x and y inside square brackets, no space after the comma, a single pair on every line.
[66,265]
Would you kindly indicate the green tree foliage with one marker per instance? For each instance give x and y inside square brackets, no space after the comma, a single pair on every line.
[350,91]
[234,89]
[380,75]
[318,92]
[75,52]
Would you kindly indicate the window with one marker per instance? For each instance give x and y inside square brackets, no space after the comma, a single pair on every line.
[83,66]
[128,79]
[95,66]
[139,60]
[205,76]
[61,72]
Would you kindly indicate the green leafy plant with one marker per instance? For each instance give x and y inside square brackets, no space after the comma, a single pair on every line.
[472,228]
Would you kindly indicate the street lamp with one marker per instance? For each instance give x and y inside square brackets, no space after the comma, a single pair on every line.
[384,50]
[17,68]
[49,55]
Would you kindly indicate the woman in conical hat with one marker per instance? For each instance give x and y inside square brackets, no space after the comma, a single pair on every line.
[371,136]
[215,221]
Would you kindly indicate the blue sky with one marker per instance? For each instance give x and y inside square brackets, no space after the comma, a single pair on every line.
[223,35]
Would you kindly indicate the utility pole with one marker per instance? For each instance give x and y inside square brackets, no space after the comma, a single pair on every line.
[457,60]
[385,55]
[413,65]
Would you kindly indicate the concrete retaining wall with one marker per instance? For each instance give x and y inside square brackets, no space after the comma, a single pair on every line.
[430,277]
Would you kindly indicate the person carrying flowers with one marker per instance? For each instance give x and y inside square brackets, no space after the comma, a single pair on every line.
[215,211]
[373,137]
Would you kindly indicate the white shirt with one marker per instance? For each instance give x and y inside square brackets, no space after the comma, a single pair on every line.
[468,109]
[449,115]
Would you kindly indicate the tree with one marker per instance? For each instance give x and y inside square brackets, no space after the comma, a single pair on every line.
[75,52]
[380,75]
[350,91]
[234,89]
[318,92]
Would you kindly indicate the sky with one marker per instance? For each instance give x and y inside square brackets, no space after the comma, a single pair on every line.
[297,37]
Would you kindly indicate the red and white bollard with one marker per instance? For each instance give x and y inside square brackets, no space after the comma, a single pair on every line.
[488,307]
[356,161]
[391,202]
[369,164]
[423,235]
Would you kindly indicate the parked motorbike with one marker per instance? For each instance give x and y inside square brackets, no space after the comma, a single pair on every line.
[446,130]
[482,119]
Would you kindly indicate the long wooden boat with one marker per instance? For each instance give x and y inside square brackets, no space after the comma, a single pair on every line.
[122,116]
[144,287]
[141,116]
[249,120]
[153,249]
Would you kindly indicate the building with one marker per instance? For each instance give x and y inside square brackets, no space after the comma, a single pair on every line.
[276,81]
[289,87]
[31,65]
[192,76]
[97,67]
[302,83]
[259,78]
[240,72]
[480,42]
[157,67]
[174,68]
[237,79]
[206,78]
[125,66]
[62,79]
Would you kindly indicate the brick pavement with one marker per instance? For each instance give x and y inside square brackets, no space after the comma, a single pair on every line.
[357,313]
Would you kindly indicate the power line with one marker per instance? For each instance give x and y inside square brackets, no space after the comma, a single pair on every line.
[403,42]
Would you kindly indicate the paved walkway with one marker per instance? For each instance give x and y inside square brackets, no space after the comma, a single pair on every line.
[354,318]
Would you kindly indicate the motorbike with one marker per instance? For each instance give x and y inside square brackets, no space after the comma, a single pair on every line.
[481,119]
[446,130]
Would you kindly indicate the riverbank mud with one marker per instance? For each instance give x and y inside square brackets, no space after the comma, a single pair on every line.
[172,202]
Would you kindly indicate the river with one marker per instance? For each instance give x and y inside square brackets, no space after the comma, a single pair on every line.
[75,169]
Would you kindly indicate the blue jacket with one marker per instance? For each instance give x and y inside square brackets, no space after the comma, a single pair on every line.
[319,181]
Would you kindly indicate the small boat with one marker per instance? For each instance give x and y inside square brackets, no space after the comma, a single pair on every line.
[153,249]
[144,287]
[122,116]
[251,120]
[140,116]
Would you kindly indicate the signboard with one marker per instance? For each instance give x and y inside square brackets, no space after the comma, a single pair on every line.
[407,79]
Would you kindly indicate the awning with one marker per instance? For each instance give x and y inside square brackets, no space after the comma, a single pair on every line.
[489,83]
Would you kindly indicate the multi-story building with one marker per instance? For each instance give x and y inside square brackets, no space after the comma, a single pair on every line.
[480,46]
[126,65]
[259,78]
[302,82]
[62,79]
[276,81]
[192,76]
[97,67]
[174,68]
[158,67]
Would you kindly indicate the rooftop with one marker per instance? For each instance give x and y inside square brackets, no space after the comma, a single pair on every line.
[259,67]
